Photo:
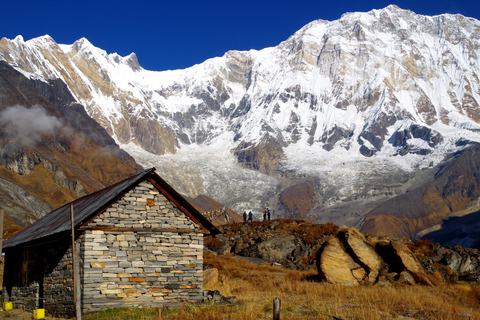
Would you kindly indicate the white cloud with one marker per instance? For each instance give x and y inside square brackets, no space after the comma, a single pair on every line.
[27,125]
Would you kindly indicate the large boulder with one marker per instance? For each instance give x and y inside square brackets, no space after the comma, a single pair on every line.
[337,266]
[349,259]
[364,253]
[410,262]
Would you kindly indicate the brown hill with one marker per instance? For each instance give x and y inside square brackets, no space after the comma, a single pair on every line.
[455,185]
[206,204]
[298,199]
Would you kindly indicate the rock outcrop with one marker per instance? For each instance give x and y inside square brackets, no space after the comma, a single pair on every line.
[290,242]
[338,267]
[389,260]
[345,256]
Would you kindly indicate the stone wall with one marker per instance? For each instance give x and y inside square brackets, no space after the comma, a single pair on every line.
[25,298]
[58,286]
[50,280]
[142,251]
[148,268]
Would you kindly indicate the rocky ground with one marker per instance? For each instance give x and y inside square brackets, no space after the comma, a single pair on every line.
[345,256]
[17,314]
[292,243]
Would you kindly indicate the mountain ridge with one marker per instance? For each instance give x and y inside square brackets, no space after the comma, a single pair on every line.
[361,109]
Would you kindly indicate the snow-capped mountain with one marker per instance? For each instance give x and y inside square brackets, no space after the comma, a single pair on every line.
[339,117]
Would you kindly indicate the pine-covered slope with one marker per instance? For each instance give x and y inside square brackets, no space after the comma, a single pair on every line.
[347,114]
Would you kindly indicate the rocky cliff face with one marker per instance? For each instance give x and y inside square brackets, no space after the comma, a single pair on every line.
[361,109]
[51,151]
[45,58]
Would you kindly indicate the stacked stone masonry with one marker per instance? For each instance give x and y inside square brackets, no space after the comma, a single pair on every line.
[58,287]
[149,267]
[56,294]
[143,268]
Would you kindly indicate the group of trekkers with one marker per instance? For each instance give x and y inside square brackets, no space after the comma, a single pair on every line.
[249,217]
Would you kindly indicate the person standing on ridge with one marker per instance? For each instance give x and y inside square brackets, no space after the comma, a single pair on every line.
[268,213]
[250,216]
[244,216]
[264,214]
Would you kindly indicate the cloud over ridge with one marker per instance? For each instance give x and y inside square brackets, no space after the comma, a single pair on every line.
[27,125]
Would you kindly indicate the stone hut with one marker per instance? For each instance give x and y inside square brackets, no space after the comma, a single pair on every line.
[138,243]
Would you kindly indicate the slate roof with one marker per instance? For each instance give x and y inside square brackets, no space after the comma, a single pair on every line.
[59,220]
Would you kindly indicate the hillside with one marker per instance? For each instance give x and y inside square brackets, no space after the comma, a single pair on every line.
[51,151]
[207,205]
[454,187]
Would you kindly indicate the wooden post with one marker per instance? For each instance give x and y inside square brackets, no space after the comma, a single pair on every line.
[78,303]
[76,289]
[1,229]
[2,259]
[276,308]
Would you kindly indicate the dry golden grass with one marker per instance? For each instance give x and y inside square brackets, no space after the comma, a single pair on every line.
[255,287]
[304,298]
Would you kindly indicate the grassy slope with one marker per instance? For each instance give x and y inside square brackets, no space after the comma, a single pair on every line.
[255,286]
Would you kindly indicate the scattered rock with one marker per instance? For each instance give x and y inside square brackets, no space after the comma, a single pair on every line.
[218,244]
[452,259]
[406,278]
[383,282]
[210,278]
[293,243]
[216,297]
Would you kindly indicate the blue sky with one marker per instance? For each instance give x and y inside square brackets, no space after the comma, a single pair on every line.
[168,35]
